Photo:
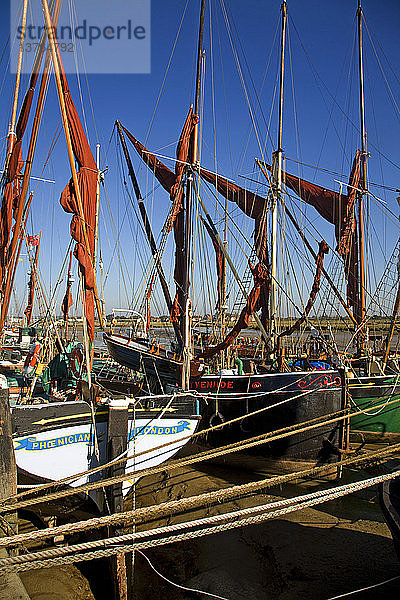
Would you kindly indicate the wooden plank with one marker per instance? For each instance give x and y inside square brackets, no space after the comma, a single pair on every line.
[117,444]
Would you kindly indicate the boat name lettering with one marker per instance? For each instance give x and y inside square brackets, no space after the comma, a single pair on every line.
[212,384]
[31,443]
[159,430]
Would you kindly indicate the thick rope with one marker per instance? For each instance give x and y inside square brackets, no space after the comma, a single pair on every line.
[32,561]
[181,505]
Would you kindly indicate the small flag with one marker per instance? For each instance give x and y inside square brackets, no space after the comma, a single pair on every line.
[33,240]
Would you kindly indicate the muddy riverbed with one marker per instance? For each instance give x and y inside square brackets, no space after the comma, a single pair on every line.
[316,553]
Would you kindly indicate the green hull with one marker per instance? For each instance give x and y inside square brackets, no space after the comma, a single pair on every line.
[366,394]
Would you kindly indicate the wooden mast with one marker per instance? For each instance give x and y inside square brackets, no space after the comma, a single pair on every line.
[12,133]
[96,226]
[27,173]
[277,191]
[50,34]
[363,182]
[188,213]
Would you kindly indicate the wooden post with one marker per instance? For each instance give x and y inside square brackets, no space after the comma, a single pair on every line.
[11,587]
[117,445]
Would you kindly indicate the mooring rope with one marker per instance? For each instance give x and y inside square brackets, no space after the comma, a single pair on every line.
[124,543]
[183,504]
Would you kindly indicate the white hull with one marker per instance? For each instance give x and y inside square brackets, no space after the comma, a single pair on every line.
[63,452]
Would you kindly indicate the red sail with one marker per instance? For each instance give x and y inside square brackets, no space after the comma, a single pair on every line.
[66,303]
[164,175]
[87,181]
[33,240]
[220,264]
[13,174]
[177,217]
[10,199]
[255,301]
[338,209]
[251,204]
[172,183]
[13,178]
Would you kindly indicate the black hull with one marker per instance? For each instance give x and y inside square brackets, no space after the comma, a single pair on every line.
[303,396]
[298,397]
[137,356]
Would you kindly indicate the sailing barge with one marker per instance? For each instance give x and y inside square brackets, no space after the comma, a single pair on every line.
[277,397]
[372,378]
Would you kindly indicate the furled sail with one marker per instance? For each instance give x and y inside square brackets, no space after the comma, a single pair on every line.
[172,183]
[67,300]
[258,299]
[87,179]
[9,202]
[13,173]
[34,242]
[13,177]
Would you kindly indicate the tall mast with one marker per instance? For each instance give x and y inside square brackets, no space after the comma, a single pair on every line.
[198,77]
[12,133]
[96,227]
[57,69]
[188,211]
[277,173]
[363,183]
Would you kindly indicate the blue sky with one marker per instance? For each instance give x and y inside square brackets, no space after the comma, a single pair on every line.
[321,118]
